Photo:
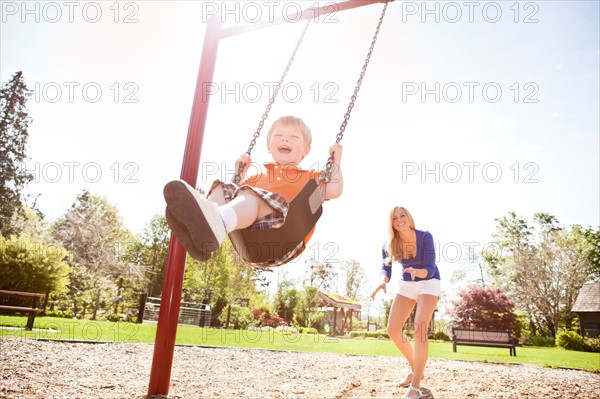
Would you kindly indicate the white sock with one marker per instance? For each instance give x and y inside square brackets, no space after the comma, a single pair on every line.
[229,217]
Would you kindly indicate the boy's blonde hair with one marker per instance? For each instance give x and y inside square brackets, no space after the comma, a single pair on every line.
[393,246]
[292,121]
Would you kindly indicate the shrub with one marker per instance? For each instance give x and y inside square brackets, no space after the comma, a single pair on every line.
[115,317]
[286,330]
[27,264]
[132,316]
[242,318]
[592,345]
[369,334]
[308,330]
[570,340]
[440,336]
[260,328]
[317,321]
[66,314]
[263,317]
[537,340]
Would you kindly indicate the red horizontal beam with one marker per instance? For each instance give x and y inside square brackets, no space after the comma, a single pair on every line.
[308,13]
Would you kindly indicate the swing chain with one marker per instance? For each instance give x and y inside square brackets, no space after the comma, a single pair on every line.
[238,174]
[326,174]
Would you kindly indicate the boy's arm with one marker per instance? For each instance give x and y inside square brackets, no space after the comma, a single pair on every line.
[336,183]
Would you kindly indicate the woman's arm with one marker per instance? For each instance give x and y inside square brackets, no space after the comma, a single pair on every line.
[386,274]
[429,255]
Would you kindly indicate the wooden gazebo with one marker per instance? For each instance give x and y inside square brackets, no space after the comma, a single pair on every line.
[340,316]
[587,307]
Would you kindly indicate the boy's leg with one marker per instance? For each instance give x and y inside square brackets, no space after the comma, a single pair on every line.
[247,208]
[200,224]
[217,195]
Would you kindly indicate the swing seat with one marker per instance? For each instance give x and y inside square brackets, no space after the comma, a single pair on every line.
[267,246]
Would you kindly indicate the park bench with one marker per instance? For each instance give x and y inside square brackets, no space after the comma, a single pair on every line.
[490,338]
[31,311]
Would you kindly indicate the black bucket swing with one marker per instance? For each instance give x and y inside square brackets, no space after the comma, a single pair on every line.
[265,247]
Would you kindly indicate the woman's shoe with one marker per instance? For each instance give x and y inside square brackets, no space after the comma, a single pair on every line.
[408,380]
[412,393]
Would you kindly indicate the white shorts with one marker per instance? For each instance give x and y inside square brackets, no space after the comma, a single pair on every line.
[412,289]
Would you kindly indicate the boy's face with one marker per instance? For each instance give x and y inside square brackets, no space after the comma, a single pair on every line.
[287,145]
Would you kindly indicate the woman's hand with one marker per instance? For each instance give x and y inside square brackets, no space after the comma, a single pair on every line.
[420,273]
[381,286]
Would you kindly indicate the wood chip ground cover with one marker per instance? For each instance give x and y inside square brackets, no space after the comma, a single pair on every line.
[43,369]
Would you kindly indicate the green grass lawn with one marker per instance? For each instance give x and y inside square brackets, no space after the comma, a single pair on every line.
[89,330]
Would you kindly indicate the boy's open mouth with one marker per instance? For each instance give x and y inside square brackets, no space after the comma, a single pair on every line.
[284,149]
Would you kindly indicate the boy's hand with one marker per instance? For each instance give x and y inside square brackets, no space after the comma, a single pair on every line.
[244,162]
[336,151]
[336,181]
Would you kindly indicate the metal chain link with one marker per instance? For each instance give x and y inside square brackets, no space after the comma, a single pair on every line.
[261,123]
[326,174]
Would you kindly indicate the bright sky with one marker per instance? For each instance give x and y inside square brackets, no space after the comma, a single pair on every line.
[469,110]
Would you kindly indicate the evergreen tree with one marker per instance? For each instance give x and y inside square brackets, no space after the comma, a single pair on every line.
[14,122]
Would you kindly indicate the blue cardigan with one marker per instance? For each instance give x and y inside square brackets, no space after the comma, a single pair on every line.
[425,259]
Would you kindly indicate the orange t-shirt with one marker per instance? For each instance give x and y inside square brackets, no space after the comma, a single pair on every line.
[287,180]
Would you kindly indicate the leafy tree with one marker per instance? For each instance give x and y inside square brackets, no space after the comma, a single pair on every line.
[14,123]
[33,266]
[287,300]
[262,280]
[150,253]
[355,278]
[211,277]
[543,267]
[593,255]
[486,308]
[307,308]
[30,221]
[245,277]
[92,230]
[321,274]
[386,304]
[223,278]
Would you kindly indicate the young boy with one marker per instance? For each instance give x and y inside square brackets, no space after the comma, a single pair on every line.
[259,202]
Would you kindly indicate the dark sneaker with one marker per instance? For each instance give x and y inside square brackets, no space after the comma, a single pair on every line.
[197,219]
[183,235]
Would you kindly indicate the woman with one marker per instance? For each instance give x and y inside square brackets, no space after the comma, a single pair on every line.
[418,284]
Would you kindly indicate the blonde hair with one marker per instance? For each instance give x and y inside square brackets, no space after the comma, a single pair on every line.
[393,245]
[292,121]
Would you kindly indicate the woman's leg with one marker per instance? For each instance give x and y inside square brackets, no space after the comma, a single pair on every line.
[425,307]
[399,313]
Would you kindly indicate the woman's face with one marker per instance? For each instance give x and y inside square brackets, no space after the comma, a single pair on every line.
[400,221]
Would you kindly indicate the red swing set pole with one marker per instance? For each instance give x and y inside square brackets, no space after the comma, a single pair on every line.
[164,345]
